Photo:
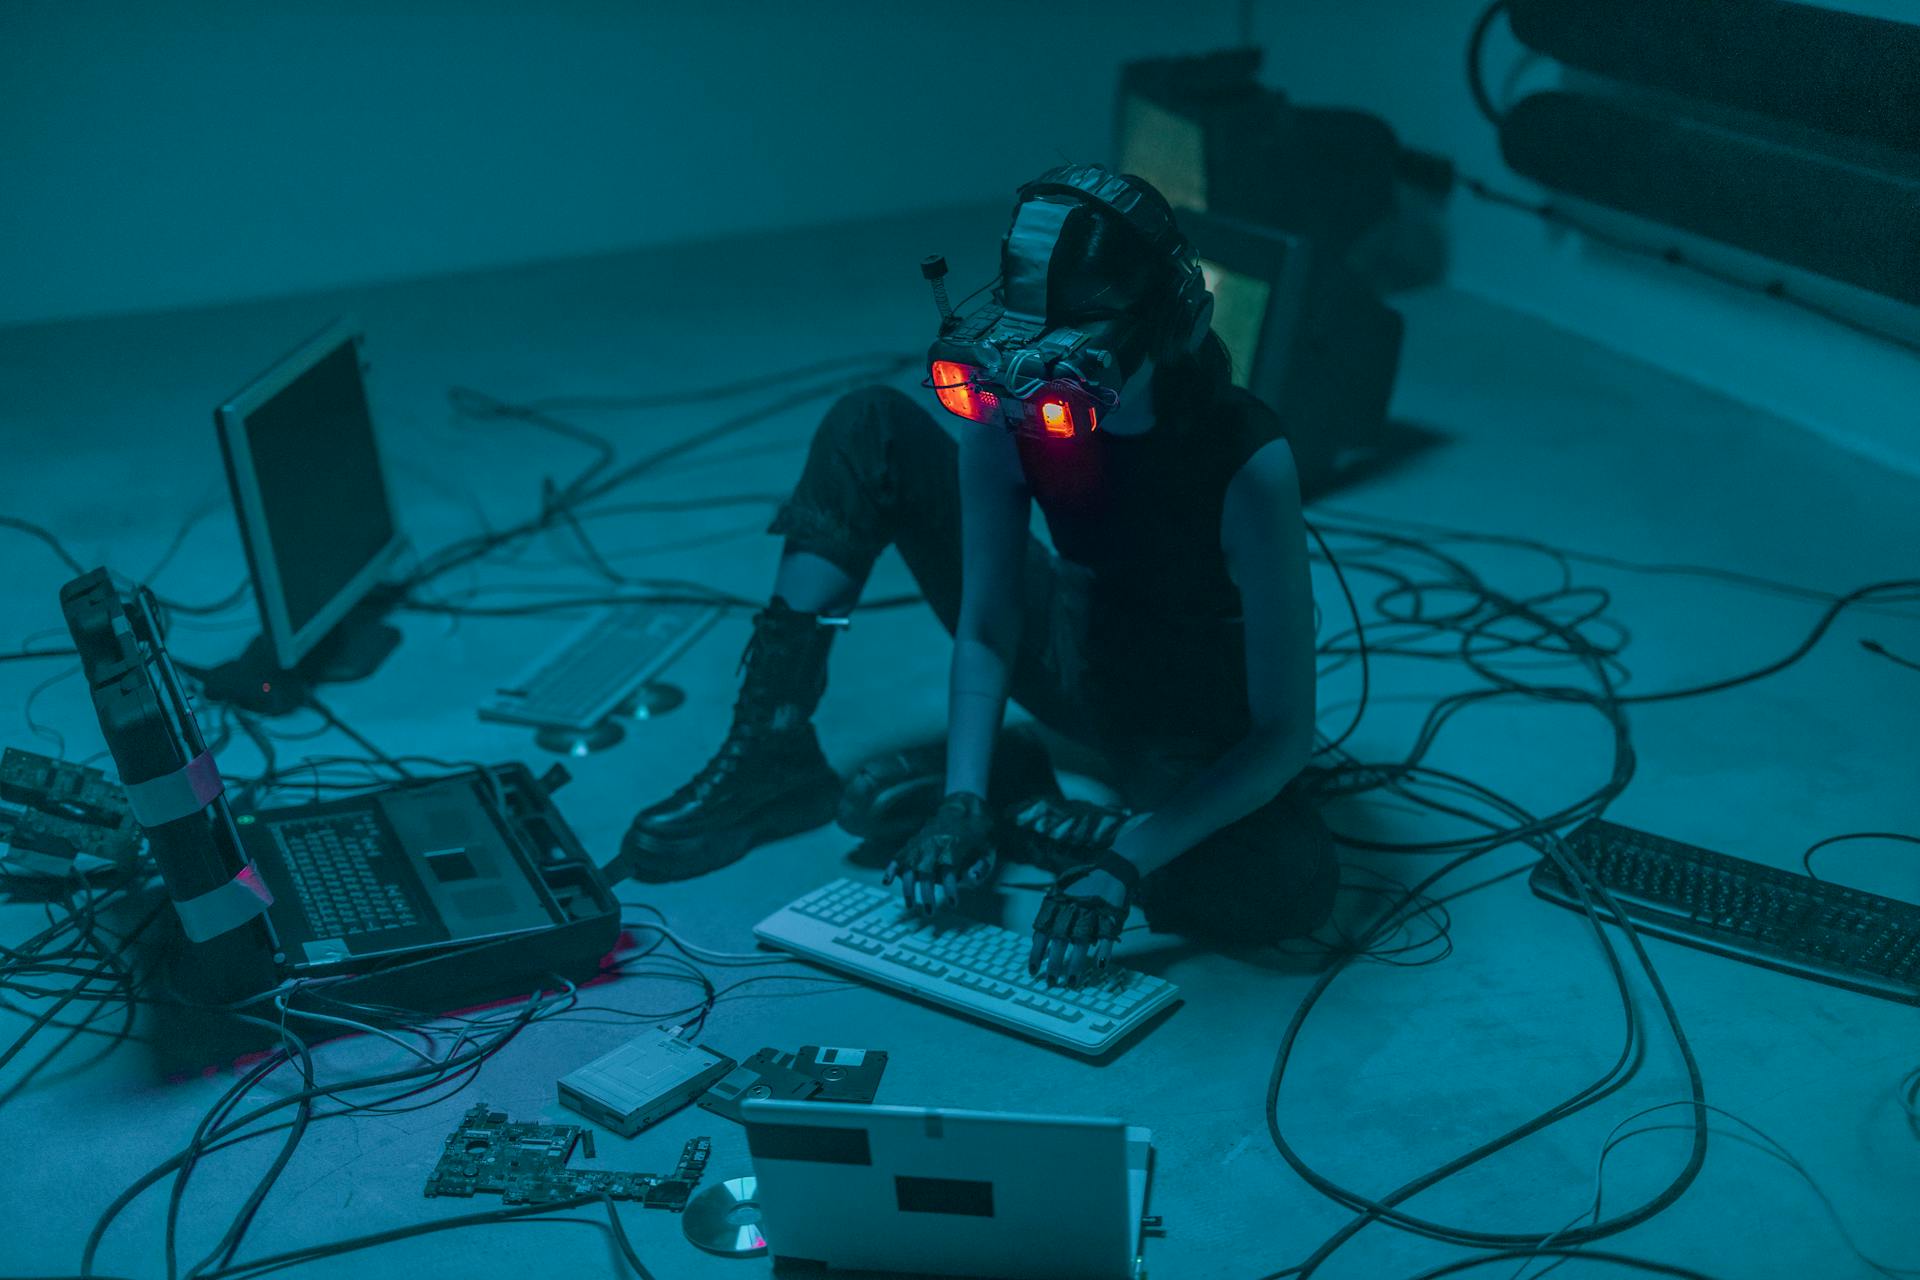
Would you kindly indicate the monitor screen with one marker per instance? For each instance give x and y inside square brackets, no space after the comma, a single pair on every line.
[312,484]
[1165,148]
[1239,312]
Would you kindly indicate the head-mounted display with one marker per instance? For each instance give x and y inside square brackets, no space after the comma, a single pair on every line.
[1018,361]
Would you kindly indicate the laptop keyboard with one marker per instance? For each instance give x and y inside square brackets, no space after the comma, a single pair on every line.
[335,866]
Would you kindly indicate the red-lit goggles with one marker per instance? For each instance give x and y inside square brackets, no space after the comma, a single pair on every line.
[1015,361]
[1004,368]
[1057,408]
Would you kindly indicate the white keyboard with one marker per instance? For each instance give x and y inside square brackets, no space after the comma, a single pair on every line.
[976,969]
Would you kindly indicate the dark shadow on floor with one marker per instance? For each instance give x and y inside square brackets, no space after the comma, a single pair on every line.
[1398,444]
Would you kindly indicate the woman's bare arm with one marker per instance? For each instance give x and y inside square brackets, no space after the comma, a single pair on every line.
[995,507]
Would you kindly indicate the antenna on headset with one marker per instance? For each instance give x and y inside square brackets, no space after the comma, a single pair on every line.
[934,268]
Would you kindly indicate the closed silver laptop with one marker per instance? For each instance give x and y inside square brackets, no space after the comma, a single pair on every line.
[953,1193]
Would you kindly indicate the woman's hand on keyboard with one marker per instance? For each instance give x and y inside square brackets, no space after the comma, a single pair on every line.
[956,843]
[1081,918]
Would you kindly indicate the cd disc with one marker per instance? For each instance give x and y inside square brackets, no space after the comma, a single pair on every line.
[725,1219]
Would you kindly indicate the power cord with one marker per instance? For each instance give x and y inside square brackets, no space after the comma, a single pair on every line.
[1476,72]
[1806,859]
[1875,647]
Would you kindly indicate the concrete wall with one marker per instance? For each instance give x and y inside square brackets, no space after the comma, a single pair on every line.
[160,155]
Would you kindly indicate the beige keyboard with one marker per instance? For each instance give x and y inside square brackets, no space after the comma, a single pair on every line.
[971,968]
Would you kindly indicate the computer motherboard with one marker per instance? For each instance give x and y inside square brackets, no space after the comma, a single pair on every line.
[527,1164]
[53,811]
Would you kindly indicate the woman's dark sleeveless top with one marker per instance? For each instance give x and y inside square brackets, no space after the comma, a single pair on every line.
[1141,516]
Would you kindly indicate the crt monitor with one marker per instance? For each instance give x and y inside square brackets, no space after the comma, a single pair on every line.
[1167,110]
[316,518]
[1165,147]
[1305,334]
[1206,132]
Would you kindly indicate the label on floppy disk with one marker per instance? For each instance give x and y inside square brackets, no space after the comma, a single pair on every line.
[767,1074]
[845,1075]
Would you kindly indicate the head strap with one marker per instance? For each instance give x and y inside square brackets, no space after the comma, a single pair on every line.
[1188,312]
[1096,183]
[1030,245]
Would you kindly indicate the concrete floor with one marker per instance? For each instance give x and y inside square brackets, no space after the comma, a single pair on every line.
[104,436]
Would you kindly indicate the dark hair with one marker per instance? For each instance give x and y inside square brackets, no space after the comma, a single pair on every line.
[1101,264]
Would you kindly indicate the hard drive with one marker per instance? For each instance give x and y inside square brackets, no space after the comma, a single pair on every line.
[640,1082]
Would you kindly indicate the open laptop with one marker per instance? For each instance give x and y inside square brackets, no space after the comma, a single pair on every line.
[952,1193]
[409,868]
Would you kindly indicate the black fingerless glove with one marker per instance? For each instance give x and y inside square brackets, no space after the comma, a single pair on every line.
[956,842]
[1058,835]
[1087,918]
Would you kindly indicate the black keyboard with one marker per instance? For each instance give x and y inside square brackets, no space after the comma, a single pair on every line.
[338,866]
[1760,914]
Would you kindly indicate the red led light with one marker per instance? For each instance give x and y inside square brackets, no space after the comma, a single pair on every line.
[1056,418]
[953,383]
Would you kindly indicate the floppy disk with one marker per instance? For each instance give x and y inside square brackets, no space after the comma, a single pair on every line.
[844,1075]
[767,1074]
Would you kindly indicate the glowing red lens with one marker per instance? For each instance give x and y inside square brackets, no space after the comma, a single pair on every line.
[1056,417]
[953,383]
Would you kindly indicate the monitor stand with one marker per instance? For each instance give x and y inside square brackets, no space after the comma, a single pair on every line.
[255,681]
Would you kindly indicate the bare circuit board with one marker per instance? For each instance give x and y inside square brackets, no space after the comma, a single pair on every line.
[527,1164]
[52,811]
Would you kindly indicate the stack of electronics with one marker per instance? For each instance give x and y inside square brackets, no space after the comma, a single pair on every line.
[1273,198]
[423,890]
[426,891]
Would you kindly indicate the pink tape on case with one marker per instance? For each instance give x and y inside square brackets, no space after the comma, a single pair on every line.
[228,907]
[188,789]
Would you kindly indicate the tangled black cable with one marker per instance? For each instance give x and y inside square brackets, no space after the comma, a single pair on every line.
[1453,615]
[213,1136]
[564,502]
[441,1078]
[1476,73]
[104,979]
[1445,612]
